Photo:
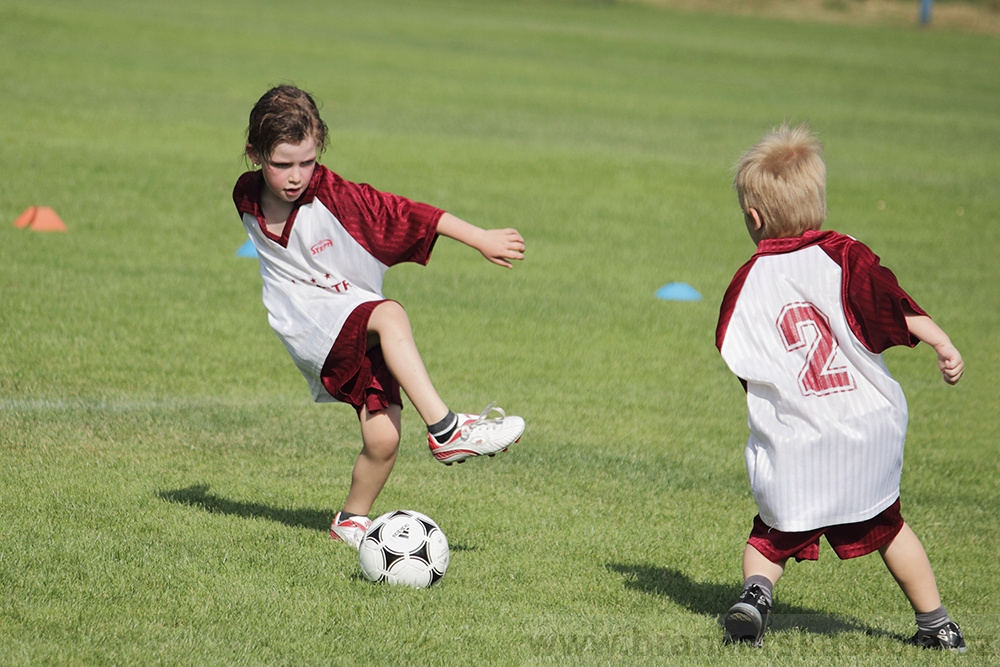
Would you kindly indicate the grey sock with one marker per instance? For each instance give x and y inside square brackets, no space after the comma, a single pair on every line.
[766,587]
[932,619]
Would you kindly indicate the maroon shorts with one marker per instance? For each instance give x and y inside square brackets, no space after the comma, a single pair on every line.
[354,374]
[849,540]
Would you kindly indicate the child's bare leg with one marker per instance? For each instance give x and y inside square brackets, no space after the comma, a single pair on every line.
[907,561]
[451,437]
[389,327]
[755,563]
[380,433]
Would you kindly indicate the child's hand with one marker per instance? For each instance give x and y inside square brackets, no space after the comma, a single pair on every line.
[950,362]
[497,245]
[949,359]
[501,245]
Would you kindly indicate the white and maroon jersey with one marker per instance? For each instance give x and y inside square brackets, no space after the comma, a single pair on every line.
[803,325]
[331,256]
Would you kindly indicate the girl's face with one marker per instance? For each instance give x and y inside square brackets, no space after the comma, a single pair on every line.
[289,169]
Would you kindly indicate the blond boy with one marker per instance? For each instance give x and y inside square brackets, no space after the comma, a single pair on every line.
[803,325]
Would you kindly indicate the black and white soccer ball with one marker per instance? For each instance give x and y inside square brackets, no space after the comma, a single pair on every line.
[404,547]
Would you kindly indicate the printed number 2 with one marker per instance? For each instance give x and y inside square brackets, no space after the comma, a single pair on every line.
[818,377]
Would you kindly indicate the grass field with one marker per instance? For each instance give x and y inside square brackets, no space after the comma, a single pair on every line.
[165,481]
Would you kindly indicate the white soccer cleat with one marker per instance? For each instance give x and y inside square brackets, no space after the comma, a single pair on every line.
[350,531]
[477,435]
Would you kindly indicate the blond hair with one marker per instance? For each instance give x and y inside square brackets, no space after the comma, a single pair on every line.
[783,177]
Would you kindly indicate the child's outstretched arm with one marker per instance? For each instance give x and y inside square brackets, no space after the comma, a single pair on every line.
[497,245]
[949,358]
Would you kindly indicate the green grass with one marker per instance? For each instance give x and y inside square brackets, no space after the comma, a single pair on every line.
[166,483]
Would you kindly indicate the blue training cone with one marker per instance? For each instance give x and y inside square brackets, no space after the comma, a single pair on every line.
[247,249]
[678,292]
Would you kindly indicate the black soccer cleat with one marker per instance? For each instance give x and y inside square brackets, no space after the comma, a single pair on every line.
[747,620]
[948,637]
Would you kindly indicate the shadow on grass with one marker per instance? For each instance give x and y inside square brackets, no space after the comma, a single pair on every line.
[712,599]
[199,496]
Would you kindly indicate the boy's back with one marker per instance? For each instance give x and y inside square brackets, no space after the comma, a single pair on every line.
[827,421]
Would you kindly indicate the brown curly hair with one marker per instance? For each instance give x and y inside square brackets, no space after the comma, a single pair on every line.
[284,114]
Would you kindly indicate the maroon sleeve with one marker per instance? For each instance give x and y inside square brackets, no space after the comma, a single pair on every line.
[246,193]
[392,228]
[873,300]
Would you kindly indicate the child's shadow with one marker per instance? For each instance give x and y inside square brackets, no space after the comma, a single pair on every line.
[199,496]
[712,599]
[311,519]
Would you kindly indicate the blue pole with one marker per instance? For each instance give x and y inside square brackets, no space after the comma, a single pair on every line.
[926,7]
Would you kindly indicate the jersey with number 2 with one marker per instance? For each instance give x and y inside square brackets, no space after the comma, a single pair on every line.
[803,325]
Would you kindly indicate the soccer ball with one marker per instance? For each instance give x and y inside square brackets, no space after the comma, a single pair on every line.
[406,548]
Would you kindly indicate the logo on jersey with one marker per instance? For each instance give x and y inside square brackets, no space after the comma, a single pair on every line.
[317,248]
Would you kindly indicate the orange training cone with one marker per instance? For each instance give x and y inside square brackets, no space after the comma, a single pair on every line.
[40,219]
[46,220]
